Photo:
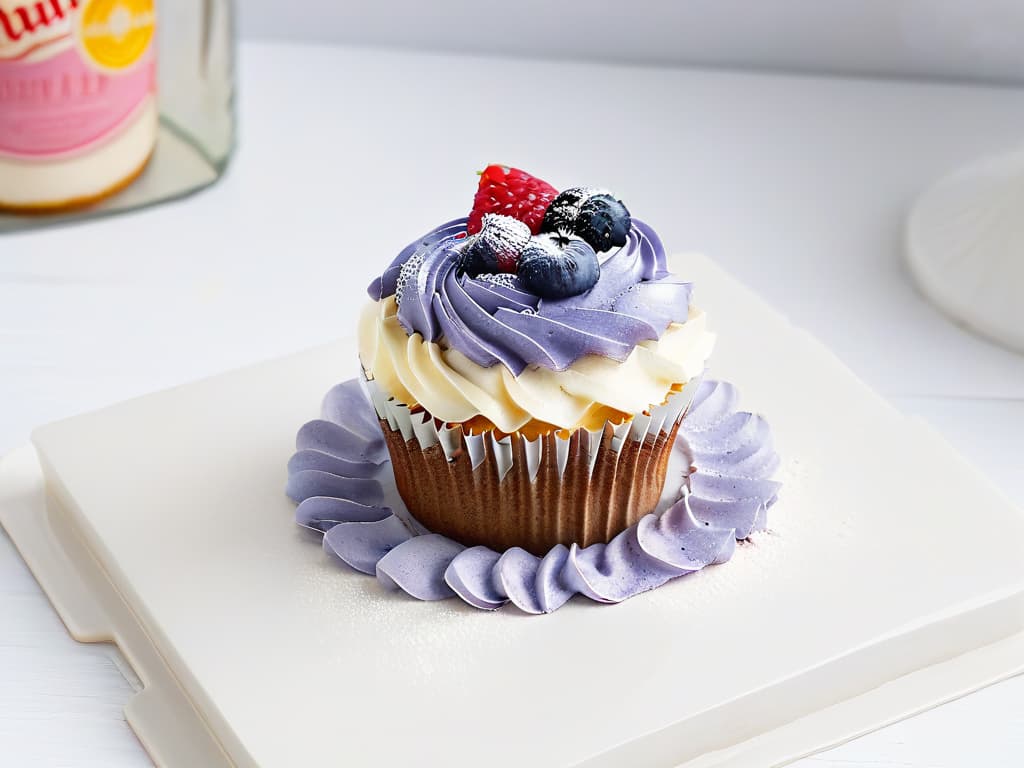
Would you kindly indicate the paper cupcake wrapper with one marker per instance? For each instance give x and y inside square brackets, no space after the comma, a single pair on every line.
[661,419]
[510,491]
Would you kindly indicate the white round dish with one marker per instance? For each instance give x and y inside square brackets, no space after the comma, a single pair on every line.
[965,247]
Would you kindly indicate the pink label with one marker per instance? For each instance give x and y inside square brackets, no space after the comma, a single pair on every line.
[61,105]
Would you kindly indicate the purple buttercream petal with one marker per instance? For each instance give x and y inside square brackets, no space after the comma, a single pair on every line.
[552,593]
[634,300]
[384,286]
[470,575]
[658,303]
[711,486]
[754,457]
[704,390]
[418,565]
[713,401]
[669,295]
[362,545]
[348,406]
[414,311]
[762,462]
[564,342]
[440,258]
[493,297]
[677,540]
[312,482]
[735,459]
[507,343]
[328,437]
[514,293]
[762,517]
[515,576]
[652,252]
[460,337]
[321,513]
[612,572]
[325,462]
[376,289]
[730,434]
[726,553]
[630,303]
[618,326]
[736,515]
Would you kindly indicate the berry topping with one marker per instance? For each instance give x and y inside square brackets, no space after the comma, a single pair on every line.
[510,192]
[603,222]
[496,247]
[561,214]
[592,214]
[553,267]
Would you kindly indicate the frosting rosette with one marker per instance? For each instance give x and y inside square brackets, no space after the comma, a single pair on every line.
[462,347]
[493,319]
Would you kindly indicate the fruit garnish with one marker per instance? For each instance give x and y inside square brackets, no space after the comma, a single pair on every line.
[593,214]
[554,267]
[563,210]
[510,192]
[496,247]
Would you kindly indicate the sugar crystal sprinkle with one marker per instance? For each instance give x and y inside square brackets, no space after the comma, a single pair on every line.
[407,273]
[504,279]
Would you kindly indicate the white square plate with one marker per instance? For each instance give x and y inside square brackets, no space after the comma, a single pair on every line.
[892,578]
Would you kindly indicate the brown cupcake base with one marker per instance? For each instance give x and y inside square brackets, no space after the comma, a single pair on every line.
[475,506]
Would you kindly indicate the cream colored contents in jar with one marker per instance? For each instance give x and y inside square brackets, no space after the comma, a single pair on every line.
[78,113]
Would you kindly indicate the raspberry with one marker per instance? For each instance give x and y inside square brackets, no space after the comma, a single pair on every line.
[510,192]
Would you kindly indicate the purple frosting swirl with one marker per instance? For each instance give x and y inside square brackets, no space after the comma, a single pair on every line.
[493,322]
[340,469]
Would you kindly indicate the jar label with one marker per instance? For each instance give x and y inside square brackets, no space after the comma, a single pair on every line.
[72,73]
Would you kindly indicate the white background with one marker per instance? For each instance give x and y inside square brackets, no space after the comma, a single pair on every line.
[798,186]
[925,38]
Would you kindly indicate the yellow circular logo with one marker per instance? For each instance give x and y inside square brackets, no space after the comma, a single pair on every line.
[115,34]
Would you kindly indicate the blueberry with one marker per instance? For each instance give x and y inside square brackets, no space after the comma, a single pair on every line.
[592,214]
[603,222]
[553,268]
[496,247]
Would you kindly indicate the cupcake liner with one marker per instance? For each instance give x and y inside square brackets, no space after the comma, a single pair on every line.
[501,492]
[429,431]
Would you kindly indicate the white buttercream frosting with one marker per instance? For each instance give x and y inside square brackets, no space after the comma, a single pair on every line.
[452,388]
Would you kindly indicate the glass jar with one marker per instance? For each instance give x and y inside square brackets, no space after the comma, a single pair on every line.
[109,105]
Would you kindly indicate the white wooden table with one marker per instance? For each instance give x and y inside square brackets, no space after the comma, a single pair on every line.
[797,185]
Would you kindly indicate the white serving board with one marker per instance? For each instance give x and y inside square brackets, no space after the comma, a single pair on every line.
[892,579]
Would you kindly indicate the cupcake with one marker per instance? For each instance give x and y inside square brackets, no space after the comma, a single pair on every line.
[530,366]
